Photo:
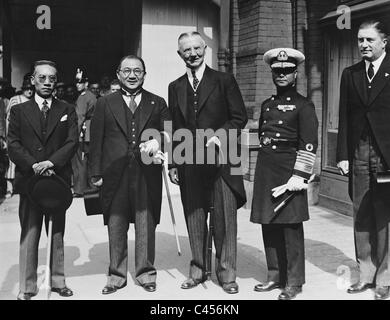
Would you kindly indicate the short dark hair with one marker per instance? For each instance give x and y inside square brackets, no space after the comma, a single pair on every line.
[44,63]
[115,82]
[378,25]
[131,56]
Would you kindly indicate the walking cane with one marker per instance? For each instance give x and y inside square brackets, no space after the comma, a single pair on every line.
[210,235]
[171,208]
[46,285]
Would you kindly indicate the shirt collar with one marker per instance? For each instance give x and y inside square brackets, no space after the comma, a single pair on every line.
[198,72]
[128,94]
[39,100]
[377,63]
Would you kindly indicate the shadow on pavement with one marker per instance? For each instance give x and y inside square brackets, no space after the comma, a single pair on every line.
[328,258]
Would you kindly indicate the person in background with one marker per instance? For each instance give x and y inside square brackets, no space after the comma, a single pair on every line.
[115,85]
[85,106]
[105,85]
[59,92]
[27,93]
[71,94]
[94,87]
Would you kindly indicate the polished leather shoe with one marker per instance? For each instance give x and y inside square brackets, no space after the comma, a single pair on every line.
[360,287]
[25,296]
[231,287]
[150,286]
[110,288]
[382,293]
[268,286]
[63,292]
[290,292]
[191,283]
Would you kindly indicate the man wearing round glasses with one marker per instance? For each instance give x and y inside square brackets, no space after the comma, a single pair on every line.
[131,189]
[42,139]
[288,142]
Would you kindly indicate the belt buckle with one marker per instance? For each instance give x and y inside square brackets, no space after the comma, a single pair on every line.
[266,141]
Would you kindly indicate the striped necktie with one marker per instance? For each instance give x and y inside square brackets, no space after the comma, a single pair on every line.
[195,80]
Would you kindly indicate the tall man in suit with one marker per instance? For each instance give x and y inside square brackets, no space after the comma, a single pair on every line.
[207,99]
[131,188]
[363,153]
[42,140]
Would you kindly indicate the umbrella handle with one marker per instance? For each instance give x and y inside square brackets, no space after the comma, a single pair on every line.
[48,255]
[164,173]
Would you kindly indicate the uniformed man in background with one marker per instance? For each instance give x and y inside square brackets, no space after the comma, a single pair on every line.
[288,142]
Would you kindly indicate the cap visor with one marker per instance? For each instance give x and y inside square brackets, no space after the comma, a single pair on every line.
[283,65]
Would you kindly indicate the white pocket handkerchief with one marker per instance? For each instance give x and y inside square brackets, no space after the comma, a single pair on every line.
[64,118]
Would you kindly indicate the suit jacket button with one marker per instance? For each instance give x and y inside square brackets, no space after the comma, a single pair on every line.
[39,148]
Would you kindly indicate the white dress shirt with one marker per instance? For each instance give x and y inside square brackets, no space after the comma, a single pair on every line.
[376,64]
[127,98]
[39,100]
[199,74]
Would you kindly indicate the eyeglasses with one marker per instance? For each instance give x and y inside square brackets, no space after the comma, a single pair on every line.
[126,72]
[287,70]
[188,52]
[42,78]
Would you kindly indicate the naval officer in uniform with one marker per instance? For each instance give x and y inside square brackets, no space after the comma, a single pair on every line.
[288,142]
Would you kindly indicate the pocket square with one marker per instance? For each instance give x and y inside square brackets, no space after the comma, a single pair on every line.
[64,118]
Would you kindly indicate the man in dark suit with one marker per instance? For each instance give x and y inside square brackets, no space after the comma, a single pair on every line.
[42,139]
[363,153]
[207,99]
[131,188]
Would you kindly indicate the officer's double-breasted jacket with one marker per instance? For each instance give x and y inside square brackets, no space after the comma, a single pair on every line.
[288,134]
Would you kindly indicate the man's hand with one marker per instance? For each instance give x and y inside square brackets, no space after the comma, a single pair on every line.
[40,167]
[48,173]
[150,147]
[98,183]
[174,175]
[213,140]
[159,157]
[296,183]
[343,167]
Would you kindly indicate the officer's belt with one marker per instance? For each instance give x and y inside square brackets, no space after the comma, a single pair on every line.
[265,141]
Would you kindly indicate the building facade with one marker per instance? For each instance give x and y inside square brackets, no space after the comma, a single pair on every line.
[95,34]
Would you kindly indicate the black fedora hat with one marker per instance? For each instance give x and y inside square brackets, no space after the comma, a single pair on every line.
[50,193]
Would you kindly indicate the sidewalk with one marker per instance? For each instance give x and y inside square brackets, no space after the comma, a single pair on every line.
[328,240]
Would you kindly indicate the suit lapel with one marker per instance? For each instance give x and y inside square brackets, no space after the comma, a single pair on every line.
[33,115]
[380,80]
[145,110]
[206,86]
[359,80]
[116,105]
[56,111]
[182,94]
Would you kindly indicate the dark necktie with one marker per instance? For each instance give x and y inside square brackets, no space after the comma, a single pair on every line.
[195,80]
[45,109]
[133,104]
[370,71]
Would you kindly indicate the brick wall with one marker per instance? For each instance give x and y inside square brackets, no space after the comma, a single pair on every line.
[260,25]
